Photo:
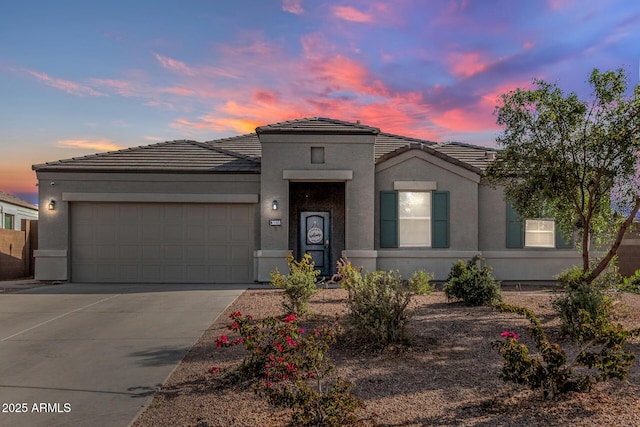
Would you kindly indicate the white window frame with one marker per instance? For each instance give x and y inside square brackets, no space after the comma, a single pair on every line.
[539,241]
[425,240]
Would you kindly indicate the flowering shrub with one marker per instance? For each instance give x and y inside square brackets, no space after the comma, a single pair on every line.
[602,356]
[299,286]
[378,302]
[289,366]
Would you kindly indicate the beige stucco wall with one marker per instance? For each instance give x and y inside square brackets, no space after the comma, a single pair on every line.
[52,256]
[348,158]
[462,184]
[520,265]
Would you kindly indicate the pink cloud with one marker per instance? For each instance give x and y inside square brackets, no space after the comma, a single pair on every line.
[351,14]
[264,97]
[293,6]
[121,87]
[174,65]
[65,85]
[467,64]
[182,91]
[97,145]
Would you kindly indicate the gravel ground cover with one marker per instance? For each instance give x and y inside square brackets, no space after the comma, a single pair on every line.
[448,376]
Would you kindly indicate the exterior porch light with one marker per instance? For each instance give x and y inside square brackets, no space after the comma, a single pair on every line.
[52,205]
[274,205]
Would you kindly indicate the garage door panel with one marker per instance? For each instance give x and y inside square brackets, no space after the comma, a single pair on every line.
[161,242]
[239,233]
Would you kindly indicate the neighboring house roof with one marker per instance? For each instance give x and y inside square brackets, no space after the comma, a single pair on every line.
[242,154]
[8,198]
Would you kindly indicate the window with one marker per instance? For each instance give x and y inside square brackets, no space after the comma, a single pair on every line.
[414,219]
[539,233]
[534,232]
[9,221]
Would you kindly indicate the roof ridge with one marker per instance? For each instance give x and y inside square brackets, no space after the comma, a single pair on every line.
[230,138]
[409,138]
[283,125]
[224,151]
[464,144]
[434,152]
[104,153]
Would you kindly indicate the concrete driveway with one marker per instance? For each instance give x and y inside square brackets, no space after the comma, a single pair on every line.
[90,354]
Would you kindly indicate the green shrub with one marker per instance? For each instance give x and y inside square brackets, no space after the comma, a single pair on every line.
[472,284]
[631,284]
[603,356]
[580,295]
[299,286]
[378,301]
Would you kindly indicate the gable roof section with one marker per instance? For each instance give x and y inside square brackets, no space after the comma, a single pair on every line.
[242,154]
[12,200]
[171,156]
[317,125]
[443,151]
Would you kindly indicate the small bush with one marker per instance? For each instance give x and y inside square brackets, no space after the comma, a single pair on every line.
[603,356]
[299,286]
[580,295]
[378,302]
[631,284]
[472,284]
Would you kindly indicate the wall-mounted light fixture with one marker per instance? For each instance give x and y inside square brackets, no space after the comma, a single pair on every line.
[274,205]
[52,205]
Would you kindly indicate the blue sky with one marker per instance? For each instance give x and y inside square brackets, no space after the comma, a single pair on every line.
[80,77]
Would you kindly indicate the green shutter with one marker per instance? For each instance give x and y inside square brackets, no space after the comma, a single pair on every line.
[388,219]
[440,219]
[515,228]
[562,240]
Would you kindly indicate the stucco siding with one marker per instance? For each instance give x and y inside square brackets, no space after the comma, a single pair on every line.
[462,185]
[52,258]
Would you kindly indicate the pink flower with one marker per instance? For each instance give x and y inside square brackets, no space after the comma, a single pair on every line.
[301,330]
[222,341]
[214,369]
[291,342]
[290,318]
[235,314]
[507,334]
[267,384]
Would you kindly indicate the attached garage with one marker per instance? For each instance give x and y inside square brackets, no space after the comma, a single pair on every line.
[162,242]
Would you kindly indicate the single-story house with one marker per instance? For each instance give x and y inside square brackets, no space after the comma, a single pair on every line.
[231,210]
[13,210]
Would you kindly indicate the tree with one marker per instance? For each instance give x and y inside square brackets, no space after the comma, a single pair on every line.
[576,161]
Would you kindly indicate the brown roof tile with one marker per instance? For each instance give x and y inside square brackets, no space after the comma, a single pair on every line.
[242,154]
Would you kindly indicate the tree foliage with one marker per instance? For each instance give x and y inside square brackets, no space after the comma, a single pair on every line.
[574,160]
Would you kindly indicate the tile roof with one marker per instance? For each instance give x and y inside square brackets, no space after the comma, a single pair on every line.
[173,156]
[242,154]
[317,124]
[13,200]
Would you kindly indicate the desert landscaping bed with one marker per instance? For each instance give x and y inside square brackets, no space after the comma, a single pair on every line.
[448,376]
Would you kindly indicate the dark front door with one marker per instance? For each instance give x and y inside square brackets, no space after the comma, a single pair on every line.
[315,239]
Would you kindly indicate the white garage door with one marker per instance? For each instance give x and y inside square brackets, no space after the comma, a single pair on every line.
[161,242]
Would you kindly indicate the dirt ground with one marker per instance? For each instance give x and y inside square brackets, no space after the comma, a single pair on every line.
[448,376]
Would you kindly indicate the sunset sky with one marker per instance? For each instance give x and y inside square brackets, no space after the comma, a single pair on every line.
[80,77]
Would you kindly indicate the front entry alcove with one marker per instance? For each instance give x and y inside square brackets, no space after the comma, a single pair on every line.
[318,198]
